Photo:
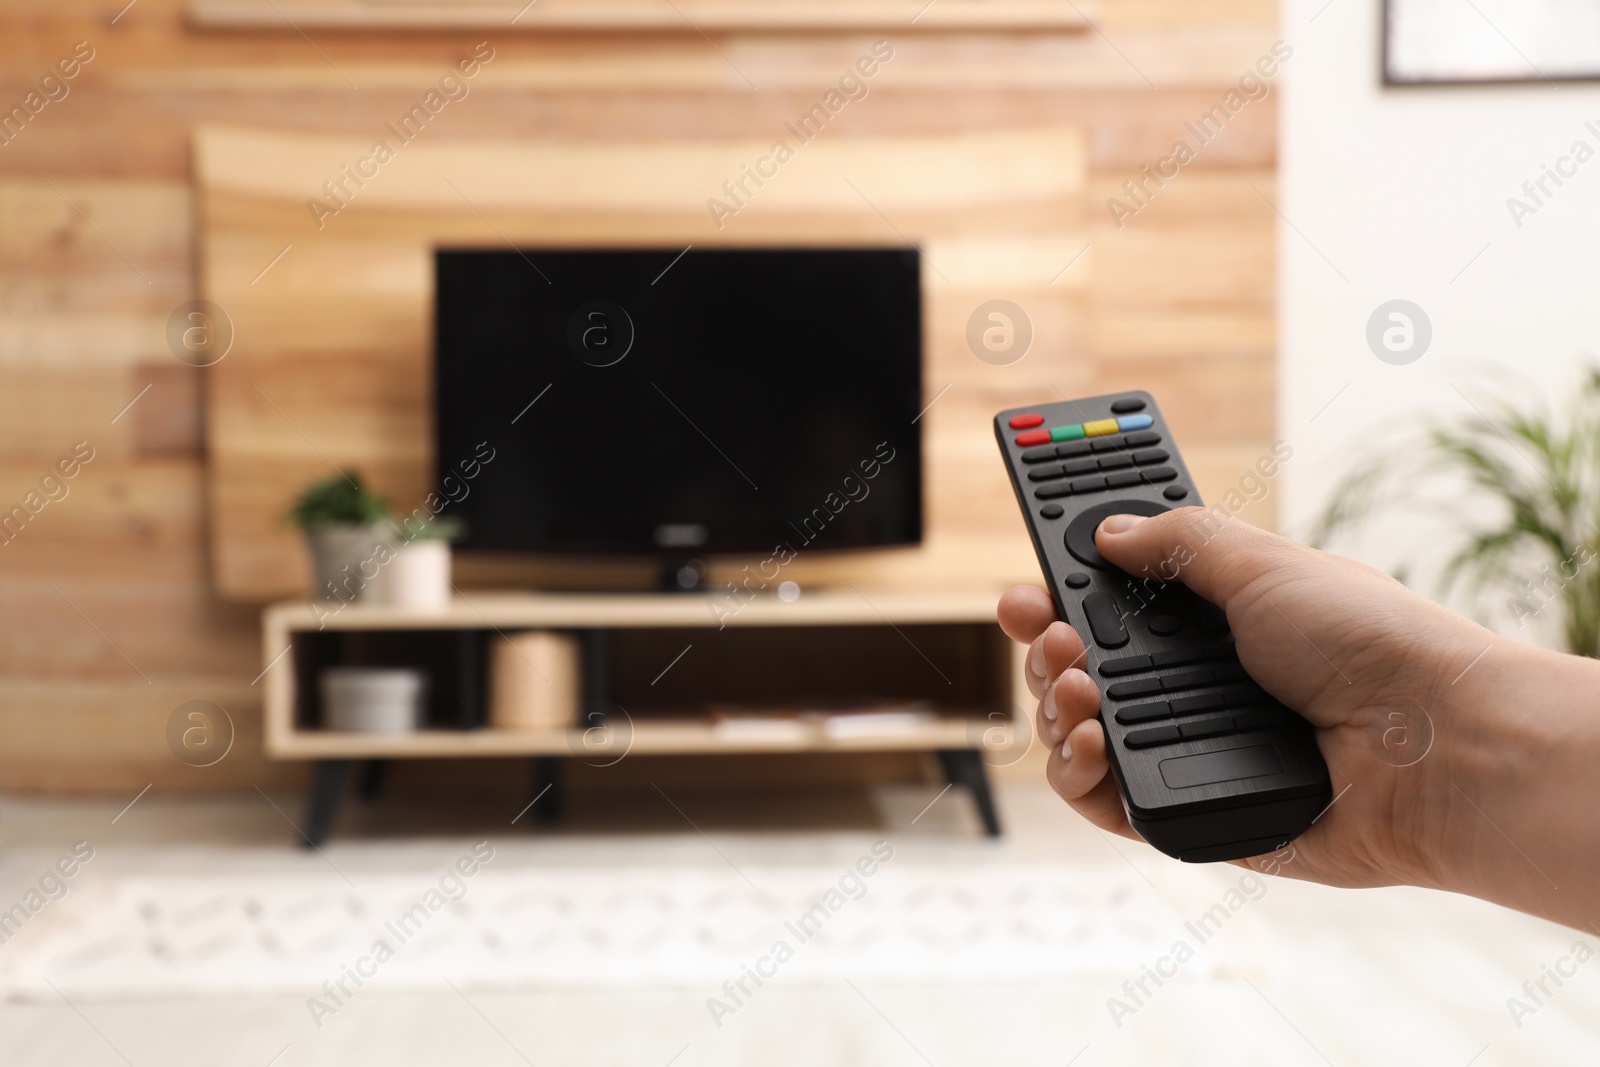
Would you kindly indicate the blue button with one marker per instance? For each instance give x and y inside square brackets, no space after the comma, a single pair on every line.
[1134,422]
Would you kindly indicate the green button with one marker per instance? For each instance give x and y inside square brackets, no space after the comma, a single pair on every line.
[1067,433]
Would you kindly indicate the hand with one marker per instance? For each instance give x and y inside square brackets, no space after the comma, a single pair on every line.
[1360,656]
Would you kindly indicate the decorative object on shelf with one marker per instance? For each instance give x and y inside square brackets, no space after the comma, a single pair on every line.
[534,681]
[372,700]
[418,574]
[1445,42]
[1538,545]
[347,530]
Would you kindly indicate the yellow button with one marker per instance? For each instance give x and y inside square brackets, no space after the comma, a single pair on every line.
[1100,427]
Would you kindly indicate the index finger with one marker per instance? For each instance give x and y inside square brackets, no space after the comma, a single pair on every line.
[1025,611]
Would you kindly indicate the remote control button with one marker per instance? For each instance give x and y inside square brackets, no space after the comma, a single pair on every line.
[1165,625]
[1053,490]
[1052,511]
[1243,696]
[1230,672]
[1138,687]
[1080,466]
[1149,456]
[1075,448]
[1156,735]
[1122,480]
[1159,474]
[1227,765]
[1178,657]
[1186,680]
[1174,492]
[1134,422]
[1077,580]
[1127,407]
[1046,474]
[1202,702]
[1124,665]
[1067,433]
[1026,422]
[1118,462]
[1143,713]
[1033,437]
[1106,444]
[1257,719]
[1215,726]
[1143,440]
[1088,485]
[1039,455]
[1105,620]
[1101,427]
[1079,537]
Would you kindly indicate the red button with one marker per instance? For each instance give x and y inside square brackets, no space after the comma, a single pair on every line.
[1026,422]
[1033,437]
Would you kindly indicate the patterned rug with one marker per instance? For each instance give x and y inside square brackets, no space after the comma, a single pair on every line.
[517,927]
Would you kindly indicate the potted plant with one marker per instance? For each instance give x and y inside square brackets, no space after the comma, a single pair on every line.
[347,531]
[1530,524]
[418,575]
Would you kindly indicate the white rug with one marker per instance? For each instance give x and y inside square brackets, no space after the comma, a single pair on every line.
[516,927]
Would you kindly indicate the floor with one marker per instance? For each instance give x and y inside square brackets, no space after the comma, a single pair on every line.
[1316,976]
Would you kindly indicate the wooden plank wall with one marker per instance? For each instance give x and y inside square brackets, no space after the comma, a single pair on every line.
[112,619]
[331,362]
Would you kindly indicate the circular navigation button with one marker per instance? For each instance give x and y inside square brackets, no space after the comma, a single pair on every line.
[1077,580]
[1174,492]
[1079,537]
[1164,625]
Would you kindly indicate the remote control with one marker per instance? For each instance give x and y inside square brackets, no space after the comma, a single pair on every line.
[1210,766]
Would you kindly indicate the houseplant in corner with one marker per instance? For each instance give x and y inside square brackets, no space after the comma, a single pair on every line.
[1530,521]
[347,530]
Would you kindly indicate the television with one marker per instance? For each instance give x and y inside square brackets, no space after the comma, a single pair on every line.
[678,403]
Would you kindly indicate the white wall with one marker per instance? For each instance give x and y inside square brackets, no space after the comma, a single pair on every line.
[1399,189]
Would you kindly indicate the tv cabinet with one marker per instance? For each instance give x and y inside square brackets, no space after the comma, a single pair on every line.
[859,648]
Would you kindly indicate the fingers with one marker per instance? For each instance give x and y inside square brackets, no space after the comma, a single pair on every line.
[1025,611]
[1078,772]
[1215,555]
[1054,651]
[1070,700]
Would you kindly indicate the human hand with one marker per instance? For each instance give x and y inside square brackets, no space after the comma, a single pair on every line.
[1354,652]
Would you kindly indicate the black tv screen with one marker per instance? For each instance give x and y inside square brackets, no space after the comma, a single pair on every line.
[660,402]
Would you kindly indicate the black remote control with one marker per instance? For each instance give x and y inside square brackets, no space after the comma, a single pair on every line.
[1210,767]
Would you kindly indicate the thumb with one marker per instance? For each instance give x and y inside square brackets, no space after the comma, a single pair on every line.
[1211,552]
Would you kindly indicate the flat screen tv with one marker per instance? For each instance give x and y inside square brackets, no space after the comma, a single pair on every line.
[665,403]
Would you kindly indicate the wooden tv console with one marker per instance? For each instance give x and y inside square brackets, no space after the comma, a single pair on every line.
[653,667]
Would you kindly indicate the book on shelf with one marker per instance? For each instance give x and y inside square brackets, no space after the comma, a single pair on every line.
[804,723]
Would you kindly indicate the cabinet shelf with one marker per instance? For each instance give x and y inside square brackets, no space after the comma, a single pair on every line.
[871,651]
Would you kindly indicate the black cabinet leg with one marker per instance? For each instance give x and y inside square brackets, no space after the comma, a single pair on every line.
[965,766]
[547,771]
[374,773]
[327,791]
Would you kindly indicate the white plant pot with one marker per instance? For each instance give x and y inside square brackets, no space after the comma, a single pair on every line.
[346,560]
[418,576]
[372,700]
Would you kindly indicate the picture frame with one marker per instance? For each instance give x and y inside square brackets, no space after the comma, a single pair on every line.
[1490,42]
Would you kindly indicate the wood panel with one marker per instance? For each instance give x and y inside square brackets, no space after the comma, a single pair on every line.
[704,16]
[332,367]
[98,245]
